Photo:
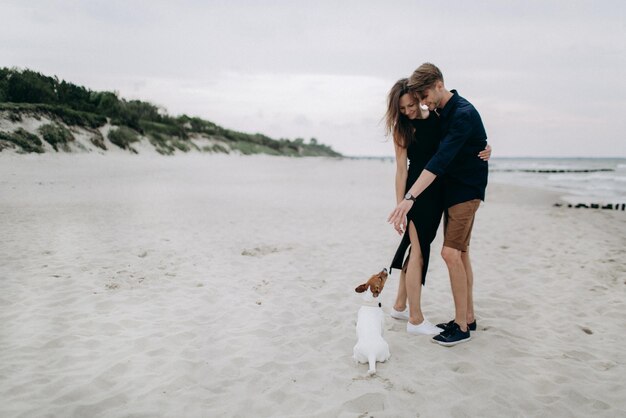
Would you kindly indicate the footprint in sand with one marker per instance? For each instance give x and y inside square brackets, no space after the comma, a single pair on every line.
[262,250]
[578,355]
[262,287]
[603,365]
[462,367]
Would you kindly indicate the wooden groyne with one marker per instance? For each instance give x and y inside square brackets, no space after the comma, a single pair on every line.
[550,170]
[607,206]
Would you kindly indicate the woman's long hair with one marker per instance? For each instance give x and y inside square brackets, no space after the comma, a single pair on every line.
[396,124]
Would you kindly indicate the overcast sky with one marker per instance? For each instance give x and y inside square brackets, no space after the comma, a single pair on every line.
[548,77]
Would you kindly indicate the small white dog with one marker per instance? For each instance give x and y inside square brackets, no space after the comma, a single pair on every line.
[371,346]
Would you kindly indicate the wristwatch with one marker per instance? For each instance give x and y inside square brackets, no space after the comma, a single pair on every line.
[409,196]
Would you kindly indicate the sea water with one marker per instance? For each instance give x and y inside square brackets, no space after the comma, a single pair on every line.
[578,180]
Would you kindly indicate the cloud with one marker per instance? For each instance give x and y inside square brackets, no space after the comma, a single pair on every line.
[545,74]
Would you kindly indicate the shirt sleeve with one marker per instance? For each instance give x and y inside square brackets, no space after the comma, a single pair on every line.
[451,144]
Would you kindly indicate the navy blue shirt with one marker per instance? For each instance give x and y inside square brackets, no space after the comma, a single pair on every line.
[456,159]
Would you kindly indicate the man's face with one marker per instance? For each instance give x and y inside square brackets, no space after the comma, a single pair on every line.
[431,97]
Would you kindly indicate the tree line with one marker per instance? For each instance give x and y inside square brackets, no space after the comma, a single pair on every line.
[79,105]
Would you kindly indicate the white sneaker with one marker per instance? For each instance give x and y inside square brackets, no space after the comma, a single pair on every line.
[425,328]
[400,315]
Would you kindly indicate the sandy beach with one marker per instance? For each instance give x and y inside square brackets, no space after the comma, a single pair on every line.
[223,286]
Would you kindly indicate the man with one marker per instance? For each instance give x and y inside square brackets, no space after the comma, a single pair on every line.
[465,179]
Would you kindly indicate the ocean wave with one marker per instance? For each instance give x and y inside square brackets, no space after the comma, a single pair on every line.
[600,179]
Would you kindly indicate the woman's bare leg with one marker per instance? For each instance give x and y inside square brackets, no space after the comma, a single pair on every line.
[400,304]
[413,278]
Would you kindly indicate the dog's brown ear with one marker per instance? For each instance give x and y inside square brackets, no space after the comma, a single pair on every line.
[361,288]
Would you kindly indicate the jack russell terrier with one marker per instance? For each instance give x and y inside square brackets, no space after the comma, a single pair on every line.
[371,346]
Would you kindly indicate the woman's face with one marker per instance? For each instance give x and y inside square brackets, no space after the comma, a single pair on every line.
[409,106]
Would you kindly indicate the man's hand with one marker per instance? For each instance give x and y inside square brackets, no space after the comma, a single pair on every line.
[398,217]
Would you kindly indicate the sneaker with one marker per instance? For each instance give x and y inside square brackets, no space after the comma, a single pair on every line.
[425,328]
[446,325]
[400,315]
[452,336]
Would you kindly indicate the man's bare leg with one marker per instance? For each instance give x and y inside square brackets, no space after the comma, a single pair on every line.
[458,283]
[470,317]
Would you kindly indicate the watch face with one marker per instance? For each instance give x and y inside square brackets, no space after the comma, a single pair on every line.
[408,196]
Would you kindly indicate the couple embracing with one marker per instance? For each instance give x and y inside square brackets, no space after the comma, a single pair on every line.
[441,156]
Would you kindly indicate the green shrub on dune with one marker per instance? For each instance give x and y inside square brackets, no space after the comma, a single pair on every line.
[60,113]
[249,148]
[149,127]
[161,143]
[216,148]
[180,145]
[98,140]
[77,118]
[15,117]
[25,140]
[198,125]
[56,135]
[123,137]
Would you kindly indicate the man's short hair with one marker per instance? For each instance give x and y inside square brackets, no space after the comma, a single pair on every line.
[424,78]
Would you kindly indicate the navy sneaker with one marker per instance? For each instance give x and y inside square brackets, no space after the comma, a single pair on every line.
[452,336]
[446,325]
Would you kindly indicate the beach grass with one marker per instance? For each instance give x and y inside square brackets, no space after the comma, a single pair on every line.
[56,135]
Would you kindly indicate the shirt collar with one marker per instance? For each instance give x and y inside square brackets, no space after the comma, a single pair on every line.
[451,104]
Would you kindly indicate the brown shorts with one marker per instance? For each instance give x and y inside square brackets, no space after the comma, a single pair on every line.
[458,223]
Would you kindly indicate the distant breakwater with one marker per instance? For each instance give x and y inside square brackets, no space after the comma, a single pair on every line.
[550,170]
[608,206]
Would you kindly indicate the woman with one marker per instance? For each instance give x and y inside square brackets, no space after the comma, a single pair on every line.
[416,135]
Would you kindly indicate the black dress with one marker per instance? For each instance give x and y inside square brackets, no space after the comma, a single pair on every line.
[428,208]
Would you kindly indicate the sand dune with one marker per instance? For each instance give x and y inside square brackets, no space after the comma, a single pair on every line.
[205,286]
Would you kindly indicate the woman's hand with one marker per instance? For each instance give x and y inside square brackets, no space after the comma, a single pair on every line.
[485,154]
[401,227]
[398,217]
